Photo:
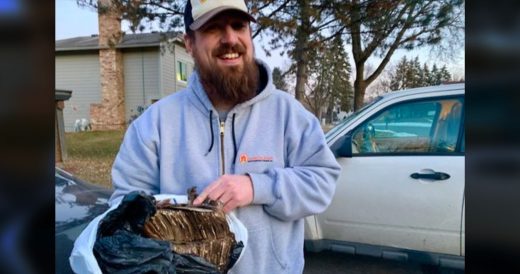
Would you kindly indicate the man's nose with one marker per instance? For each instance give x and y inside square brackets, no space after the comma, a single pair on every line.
[229,36]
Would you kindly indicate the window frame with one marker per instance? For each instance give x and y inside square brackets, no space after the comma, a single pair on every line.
[457,151]
[178,75]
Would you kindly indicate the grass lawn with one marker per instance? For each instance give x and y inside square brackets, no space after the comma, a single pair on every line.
[91,155]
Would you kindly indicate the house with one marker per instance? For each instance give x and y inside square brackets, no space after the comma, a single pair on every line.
[113,84]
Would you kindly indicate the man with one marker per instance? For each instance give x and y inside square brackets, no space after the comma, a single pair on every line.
[236,138]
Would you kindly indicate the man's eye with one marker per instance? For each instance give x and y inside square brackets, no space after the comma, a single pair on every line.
[210,27]
[238,25]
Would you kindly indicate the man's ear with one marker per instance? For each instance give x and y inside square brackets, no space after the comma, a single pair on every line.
[188,43]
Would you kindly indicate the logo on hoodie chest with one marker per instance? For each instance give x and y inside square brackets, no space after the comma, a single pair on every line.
[244,158]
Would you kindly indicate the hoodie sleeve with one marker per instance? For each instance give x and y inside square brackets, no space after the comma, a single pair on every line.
[136,166]
[307,183]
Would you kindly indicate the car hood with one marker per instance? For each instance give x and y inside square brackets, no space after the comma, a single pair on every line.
[77,202]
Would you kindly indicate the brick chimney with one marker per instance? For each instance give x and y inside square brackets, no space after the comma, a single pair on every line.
[110,113]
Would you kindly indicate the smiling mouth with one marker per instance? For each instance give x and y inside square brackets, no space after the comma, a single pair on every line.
[229,56]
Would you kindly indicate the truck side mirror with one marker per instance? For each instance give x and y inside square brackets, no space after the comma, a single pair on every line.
[343,146]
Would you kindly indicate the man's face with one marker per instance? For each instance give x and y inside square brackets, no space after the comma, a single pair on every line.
[224,57]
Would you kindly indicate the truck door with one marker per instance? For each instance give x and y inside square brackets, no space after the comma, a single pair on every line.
[403,186]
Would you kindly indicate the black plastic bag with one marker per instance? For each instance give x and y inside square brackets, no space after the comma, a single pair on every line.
[189,264]
[126,252]
[120,246]
[132,213]
[235,254]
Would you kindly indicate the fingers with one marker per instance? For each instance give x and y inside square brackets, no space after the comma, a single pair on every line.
[230,206]
[225,195]
[205,193]
[213,191]
[232,190]
[228,201]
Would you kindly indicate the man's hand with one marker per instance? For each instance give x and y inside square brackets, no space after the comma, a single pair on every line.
[232,190]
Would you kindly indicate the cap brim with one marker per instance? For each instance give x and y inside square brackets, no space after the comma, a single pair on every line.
[206,17]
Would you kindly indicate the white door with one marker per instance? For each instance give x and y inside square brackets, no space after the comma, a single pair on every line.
[394,190]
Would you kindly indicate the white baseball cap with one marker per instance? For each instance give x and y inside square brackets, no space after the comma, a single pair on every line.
[198,12]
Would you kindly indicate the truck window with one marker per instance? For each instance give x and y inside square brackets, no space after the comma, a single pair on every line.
[423,127]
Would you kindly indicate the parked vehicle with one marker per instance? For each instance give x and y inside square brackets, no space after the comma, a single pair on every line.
[77,203]
[400,193]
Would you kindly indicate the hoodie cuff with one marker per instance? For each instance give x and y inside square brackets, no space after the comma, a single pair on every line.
[263,188]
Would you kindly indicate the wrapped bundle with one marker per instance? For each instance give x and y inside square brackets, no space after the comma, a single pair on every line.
[198,230]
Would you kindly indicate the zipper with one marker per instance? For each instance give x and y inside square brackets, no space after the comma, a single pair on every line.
[222,147]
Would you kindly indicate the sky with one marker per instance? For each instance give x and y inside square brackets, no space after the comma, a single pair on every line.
[74,21]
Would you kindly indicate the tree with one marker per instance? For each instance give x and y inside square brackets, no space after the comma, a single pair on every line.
[398,78]
[434,76]
[318,94]
[342,93]
[425,75]
[444,75]
[374,28]
[300,27]
[410,74]
[278,79]
[329,87]
[381,27]
[381,85]
[416,73]
[168,14]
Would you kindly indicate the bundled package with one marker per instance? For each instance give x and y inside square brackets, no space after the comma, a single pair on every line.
[160,234]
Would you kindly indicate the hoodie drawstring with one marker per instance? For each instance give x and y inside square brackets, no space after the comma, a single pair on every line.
[234,139]
[235,150]
[211,130]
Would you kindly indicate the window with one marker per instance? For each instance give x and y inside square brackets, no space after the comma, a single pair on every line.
[416,127]
[182,71]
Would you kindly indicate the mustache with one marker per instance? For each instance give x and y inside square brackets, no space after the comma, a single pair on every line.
[226,48]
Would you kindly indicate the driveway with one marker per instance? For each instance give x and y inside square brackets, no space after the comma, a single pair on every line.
[335,263]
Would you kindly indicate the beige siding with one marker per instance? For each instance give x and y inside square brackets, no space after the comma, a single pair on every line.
[141,77]
[167,60]
[148,75]
[79,73]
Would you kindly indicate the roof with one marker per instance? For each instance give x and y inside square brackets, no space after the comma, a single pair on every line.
[62,95]
[137,40]
[414,91]
[442,87]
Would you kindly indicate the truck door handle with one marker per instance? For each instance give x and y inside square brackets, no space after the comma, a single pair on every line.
[432,176]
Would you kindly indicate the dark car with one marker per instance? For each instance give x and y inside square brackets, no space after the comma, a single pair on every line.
[77,203]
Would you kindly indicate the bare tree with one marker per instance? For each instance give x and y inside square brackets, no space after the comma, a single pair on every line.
[300,27]
[379,28]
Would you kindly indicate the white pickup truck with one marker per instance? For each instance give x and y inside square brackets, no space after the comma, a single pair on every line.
[400,194]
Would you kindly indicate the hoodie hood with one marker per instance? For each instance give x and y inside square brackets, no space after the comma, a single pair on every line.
[200,99]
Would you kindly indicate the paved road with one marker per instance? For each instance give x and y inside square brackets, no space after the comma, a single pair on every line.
[328,262]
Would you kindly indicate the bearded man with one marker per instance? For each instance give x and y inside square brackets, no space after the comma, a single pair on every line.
[232,134]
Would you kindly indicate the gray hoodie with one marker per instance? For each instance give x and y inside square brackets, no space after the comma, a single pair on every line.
[177,143]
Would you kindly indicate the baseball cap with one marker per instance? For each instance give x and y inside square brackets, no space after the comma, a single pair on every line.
[198,12]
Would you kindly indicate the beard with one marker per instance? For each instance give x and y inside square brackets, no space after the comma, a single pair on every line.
[229,85]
